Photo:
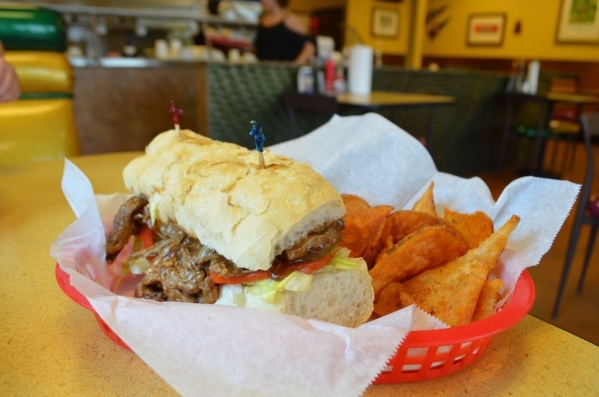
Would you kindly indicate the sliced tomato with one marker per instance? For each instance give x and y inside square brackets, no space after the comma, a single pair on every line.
[245,278]
[146,235]
[312,266]
[281,272]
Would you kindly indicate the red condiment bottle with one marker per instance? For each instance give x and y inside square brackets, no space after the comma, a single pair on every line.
[330,72]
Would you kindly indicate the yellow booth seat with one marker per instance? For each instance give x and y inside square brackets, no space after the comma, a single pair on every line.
[41,124]
[37,130]
[42,71]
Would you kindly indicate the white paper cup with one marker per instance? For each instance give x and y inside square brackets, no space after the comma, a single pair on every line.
[161,49]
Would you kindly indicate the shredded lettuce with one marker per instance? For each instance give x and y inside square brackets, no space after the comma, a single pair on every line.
[342,261]
[268,289]
[296,281]
[132,266]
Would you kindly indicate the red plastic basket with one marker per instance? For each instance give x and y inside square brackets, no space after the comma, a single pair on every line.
[423,354]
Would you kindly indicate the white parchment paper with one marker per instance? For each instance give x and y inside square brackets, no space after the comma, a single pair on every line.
[373,158]
[228,351]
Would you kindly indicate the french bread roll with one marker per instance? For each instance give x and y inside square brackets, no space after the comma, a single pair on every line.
[342,297]
[216,192]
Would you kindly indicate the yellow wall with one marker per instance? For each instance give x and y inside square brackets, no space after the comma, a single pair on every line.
[311,5]
[359,15]
[536,40]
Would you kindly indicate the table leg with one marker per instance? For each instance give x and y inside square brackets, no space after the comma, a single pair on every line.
[572,145]
[540,142]
[537,158]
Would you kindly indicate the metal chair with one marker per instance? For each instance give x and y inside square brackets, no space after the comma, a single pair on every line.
[548,127]
[590,127]
[313,102]
[512,99]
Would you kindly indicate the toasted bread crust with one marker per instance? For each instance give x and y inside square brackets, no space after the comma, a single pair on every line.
[216,192]
[343,297]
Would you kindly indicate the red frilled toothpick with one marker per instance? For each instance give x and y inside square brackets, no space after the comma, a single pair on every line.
[175,113]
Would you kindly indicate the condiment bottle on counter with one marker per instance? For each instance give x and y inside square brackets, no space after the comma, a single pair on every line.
[340,83]
[330,73]
[305,80]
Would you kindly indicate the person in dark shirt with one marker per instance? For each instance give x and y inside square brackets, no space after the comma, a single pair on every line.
[282,36]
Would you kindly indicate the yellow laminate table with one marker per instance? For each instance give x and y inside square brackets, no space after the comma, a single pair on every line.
[573,98]
[384,98]
[53,347]
[395,100]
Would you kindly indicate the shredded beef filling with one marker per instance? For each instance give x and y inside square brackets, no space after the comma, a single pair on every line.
[315,242]
[178,273]
[179,264]
[124,225]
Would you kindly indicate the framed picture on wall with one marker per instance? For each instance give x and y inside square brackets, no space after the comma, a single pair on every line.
[485,29]
[578,22]
[385,22]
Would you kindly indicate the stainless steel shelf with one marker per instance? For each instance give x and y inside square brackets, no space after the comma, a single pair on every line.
[130,62]
[191,12]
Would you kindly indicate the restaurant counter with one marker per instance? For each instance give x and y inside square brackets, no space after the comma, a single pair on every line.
[121,104]
[129,97]
[52,346]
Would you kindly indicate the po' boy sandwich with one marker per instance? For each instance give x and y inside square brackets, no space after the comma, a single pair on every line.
[212,226]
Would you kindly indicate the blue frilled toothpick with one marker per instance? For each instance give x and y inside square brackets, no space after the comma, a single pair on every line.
[175,113]
[259,137]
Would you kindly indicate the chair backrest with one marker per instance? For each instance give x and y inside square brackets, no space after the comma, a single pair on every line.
[312,102]
[590,128]
[565,111]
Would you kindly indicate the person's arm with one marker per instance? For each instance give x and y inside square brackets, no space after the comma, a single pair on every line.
[307,53]
[9,82]
[309,50]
